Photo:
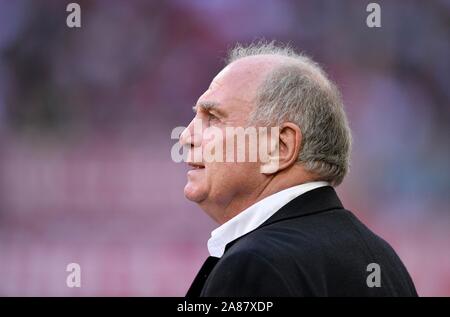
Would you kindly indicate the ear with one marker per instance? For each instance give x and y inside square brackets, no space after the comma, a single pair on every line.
[285,149]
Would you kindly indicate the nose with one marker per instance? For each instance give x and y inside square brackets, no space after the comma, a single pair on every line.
[190,136]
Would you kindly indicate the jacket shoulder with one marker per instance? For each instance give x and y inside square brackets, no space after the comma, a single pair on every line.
[323,254]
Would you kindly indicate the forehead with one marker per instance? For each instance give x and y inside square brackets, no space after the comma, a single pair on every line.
[236,85]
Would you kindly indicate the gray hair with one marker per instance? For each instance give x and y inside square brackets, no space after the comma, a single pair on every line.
[299,91]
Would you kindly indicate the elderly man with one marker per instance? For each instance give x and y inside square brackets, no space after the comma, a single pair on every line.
[283,231]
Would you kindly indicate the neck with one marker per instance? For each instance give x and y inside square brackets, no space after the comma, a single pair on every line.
[273,184]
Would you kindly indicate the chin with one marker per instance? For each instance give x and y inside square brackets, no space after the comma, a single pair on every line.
[194,194]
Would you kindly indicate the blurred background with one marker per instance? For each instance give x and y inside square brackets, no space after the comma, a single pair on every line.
[86,116]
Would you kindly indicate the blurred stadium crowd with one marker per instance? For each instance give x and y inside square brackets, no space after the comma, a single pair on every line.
[86,116]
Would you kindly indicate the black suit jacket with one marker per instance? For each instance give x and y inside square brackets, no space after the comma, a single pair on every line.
[310,247]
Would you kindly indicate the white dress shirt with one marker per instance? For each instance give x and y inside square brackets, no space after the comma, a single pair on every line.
[254,216]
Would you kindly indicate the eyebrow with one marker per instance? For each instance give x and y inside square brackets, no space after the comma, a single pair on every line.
[208,106]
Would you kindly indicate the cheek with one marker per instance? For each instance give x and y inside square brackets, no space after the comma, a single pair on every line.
[213,146]
[233,177]
[248,173]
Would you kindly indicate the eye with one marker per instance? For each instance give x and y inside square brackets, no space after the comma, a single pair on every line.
[212,117]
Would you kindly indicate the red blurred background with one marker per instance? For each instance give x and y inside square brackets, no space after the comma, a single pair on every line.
[86,115]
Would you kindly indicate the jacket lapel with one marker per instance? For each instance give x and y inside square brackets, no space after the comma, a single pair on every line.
[202,275]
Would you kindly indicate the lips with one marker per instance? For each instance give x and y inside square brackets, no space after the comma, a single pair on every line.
[196,166]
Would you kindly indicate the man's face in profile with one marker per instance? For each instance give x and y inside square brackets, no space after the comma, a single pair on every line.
[228,102]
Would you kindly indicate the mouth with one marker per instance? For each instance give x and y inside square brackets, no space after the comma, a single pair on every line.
[195,166]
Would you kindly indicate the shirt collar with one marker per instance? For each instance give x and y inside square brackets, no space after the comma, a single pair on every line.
[255,215]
